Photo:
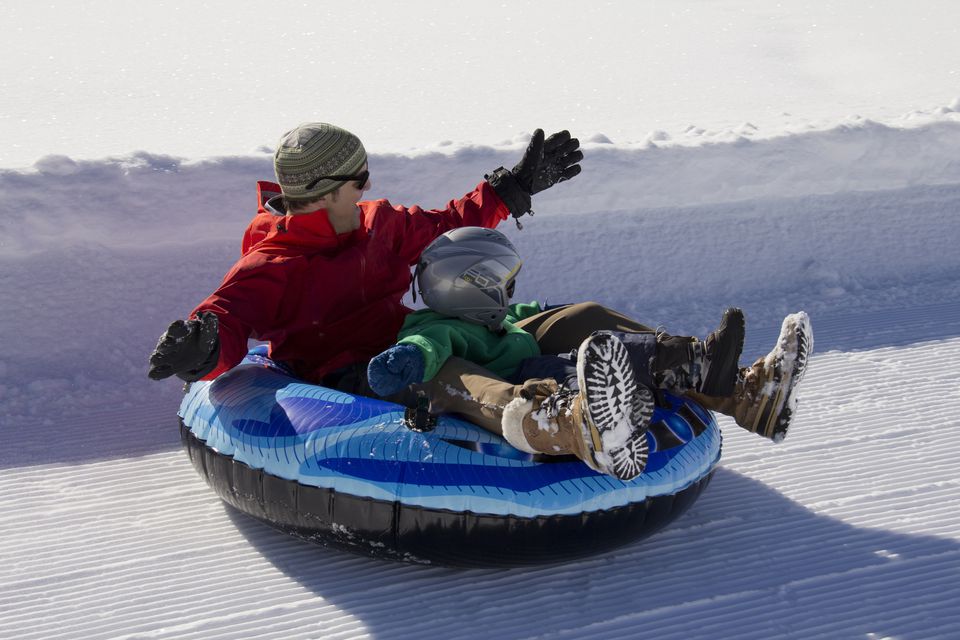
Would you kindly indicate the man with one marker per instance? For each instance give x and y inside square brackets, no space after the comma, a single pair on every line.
[322,274]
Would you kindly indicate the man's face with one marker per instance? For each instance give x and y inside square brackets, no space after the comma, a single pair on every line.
[341,205]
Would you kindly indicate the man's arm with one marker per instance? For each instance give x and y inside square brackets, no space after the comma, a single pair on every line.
[503,193]
[215,337]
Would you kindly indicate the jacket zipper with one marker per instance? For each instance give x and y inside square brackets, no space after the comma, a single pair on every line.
[363,278]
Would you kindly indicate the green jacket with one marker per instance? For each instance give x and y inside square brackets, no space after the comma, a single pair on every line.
[440,337]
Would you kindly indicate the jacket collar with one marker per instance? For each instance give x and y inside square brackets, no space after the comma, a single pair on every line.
[275,227]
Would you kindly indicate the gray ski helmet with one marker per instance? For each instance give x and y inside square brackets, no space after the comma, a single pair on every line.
[469,273]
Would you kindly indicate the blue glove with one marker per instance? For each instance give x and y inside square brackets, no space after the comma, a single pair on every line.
[395,368]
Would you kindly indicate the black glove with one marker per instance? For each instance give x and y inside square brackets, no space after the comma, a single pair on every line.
[547,162]
[188,349]
[544,164]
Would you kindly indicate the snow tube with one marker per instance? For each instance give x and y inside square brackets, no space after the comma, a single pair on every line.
[350,472]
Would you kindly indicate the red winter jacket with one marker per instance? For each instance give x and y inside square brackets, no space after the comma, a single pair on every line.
[322,300]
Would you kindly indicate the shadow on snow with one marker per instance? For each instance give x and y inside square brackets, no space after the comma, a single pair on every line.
[745,561]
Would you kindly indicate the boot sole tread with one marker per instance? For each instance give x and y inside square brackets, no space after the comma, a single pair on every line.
[612,397]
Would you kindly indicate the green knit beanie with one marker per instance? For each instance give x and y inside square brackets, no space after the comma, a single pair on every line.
[312,150]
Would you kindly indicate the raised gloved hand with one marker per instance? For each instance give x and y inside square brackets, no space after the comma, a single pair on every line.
[547,162]
[188,349]
[396,368]
[544,164]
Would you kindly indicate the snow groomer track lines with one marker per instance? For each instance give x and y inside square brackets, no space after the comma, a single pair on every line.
[349,472]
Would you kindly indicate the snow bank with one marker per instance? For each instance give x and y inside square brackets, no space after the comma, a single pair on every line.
[147,199]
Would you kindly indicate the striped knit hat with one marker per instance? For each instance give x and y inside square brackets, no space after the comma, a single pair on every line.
[316,149]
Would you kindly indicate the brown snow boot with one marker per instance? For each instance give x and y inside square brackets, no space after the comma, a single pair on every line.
[604,424]
[707,366]
[764,399]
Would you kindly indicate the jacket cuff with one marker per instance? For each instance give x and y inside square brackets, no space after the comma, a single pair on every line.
[505,185]
[522,310]
[431,358]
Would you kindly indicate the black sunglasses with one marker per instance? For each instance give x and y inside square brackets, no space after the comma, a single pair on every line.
[361,179]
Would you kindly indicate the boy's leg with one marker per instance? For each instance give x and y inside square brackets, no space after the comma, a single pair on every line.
[471,390]
[660,360]
[460,387]
[468,389]
[603,427]
[562,329]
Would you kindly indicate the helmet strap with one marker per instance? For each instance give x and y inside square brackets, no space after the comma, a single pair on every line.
[413,281]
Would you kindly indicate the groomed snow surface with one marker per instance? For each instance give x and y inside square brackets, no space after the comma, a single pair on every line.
[773,156]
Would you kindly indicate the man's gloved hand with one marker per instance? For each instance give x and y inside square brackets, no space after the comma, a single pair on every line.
[396,368]
[188,349]
[547,162]
[544,164]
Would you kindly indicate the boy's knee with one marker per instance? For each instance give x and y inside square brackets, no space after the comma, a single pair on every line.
[588,310]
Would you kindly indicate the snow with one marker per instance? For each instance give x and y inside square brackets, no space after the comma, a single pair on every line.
[772,157]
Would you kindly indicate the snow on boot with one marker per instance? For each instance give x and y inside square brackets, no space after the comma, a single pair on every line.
[709,366]
[604,424]
[764,400]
